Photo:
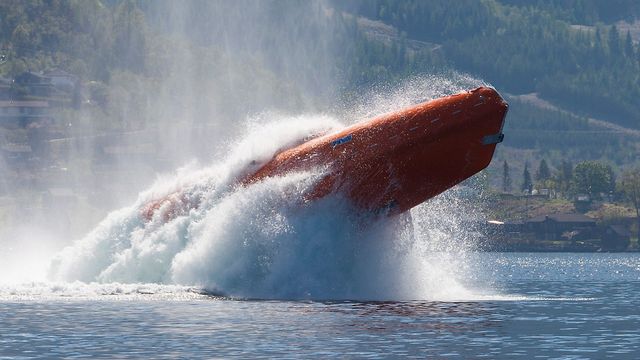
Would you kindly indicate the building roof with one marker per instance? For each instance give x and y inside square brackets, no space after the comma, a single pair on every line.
[23,103]
[32,78]
[563,218]
[58,73]
[16,148]
[620,230]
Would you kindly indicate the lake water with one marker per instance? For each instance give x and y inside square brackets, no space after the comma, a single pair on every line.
[568,306]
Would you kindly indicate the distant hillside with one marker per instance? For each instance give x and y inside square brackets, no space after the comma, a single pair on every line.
[532,46]
[144,62]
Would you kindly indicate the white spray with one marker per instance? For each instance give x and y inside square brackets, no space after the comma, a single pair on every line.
[264,241]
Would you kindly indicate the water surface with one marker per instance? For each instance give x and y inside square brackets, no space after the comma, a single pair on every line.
[573,306]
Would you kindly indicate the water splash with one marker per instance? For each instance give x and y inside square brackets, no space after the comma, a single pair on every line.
[264,241]
[386,98]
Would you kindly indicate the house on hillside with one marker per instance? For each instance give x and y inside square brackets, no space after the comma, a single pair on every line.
[62,80]
[545,233]
[559,226]
[5,88]
[15,153]
[58,87]
[33,84]
[615,238]
[23,113]
[582,202]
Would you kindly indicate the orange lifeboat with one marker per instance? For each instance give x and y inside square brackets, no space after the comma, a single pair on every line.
[393,162]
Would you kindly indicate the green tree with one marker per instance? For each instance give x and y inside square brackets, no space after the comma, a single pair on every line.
[527,184]
[614,41]
[130,39]
[592,178]
[565,175]
[629,185]
[506,177]
[628,46]
[543,173]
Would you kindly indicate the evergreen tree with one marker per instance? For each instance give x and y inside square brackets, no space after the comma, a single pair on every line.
[506,177]
[628,46]
[527,185]
[614,41]
[543,173]
[598,38]
[564,176]
[630,187]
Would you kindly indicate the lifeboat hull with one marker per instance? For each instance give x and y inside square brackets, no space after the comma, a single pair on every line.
[396,161]
[399,160]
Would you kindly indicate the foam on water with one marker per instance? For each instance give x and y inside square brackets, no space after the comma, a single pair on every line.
[74,291]
[264,241]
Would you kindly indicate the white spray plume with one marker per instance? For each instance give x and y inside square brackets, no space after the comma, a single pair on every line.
[263,241]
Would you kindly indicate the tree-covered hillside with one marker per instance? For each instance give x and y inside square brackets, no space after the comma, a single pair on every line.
[570,52]
[145,62]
